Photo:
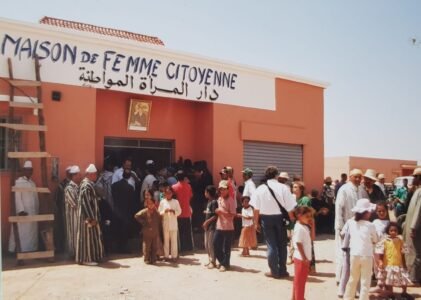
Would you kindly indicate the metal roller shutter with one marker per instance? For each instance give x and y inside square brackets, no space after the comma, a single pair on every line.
[287,157]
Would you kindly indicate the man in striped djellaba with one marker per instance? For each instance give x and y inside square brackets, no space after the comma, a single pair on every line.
[71,194]
[89,250]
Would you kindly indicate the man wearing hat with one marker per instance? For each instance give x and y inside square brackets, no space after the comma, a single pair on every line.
[89,248]
[249,186]
[380,183]
[26,204]
[283,177]
[412,231]
[60,214]
[71,195]
[375,194]
[346,199]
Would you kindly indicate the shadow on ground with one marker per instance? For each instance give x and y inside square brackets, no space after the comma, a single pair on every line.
[243,270]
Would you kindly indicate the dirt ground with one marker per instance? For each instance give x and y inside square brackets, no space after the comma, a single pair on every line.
[129,278]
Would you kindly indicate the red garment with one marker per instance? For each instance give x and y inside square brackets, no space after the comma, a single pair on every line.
[184,194]
[231,188]
[301,271]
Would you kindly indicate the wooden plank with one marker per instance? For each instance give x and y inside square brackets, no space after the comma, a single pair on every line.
[28,127]
[24,83]
[31,218]
[28,154]
[31,189]
[32,255]
[26,105]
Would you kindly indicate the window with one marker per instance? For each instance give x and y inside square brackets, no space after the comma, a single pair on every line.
[4,143]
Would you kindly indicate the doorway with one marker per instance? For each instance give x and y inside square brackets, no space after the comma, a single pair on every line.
[140,150]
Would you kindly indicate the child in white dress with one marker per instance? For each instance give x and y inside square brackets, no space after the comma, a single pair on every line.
[170,209]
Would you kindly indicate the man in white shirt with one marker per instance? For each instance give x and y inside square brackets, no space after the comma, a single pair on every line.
[348,195]
[249,186]
[26,204]
[118,174]
[268,209]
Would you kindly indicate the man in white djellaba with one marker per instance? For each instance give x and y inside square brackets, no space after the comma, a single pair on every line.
[27,204]
[347,197]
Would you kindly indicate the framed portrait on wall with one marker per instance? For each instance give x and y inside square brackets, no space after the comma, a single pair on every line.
[139,115]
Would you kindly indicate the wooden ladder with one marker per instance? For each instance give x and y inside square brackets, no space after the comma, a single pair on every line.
[14,154]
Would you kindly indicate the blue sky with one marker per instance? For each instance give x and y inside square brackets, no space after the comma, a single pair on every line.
[362,48]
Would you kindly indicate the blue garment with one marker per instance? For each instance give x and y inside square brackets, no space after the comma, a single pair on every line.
[276,240]
[222,241]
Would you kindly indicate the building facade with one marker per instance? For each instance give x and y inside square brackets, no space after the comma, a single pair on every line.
[106,95]
[391,168]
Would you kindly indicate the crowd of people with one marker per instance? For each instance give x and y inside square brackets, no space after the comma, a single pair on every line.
[98,215]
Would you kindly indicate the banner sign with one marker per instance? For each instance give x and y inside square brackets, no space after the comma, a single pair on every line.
[148,71]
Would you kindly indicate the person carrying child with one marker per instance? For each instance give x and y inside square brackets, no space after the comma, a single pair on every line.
[150,220]
[392,266]
[209,225]
[362,238]
[248,232]
[301,241]
[170,209]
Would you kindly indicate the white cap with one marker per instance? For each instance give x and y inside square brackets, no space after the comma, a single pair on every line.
[355,172]
[284,175]
[91,169]
[68,168]
[370,174]
[223,184]
[27,164]
[149,162]
[74,170]
[363,205]
[381,176]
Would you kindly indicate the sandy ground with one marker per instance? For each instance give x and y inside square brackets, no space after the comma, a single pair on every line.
[129,278]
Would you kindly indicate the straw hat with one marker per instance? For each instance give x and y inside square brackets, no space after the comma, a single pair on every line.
[370,174]
[284,175]
[355,172]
